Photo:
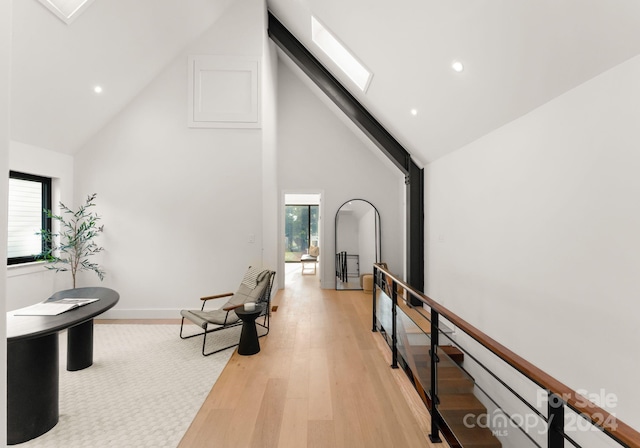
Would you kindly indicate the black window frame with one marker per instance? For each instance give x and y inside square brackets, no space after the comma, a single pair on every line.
[45,183]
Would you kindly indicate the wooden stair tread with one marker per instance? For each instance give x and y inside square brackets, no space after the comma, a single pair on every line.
[464,402]
[451,380]
[445,352]
[444,363]
[475,437]
[453,352]
[445,372]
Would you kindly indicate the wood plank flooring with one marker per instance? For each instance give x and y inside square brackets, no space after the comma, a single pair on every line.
[321,380]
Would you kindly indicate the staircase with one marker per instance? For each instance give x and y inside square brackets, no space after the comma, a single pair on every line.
[461,417]
[457,400]
[455,386]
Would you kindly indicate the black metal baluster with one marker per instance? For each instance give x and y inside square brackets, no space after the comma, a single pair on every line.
[433,352]
[394,331]
[374,326]
[555,432]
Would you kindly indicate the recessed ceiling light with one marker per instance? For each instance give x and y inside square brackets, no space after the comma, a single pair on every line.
[457,66]
[97,89]
[414,112]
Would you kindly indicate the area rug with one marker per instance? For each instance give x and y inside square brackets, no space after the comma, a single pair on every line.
[145,387]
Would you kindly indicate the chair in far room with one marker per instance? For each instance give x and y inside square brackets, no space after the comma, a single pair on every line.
[310,258]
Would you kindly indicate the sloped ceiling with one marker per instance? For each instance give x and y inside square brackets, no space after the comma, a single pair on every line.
[120,45]
[517,56]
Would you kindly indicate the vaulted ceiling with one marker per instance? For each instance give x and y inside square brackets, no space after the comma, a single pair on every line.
[517,55]
[120,45]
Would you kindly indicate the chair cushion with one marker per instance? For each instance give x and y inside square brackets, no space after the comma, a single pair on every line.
[251,277]
[243,295]
[204,318]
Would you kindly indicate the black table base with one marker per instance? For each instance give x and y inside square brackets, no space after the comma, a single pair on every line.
[80,346]
[32,387]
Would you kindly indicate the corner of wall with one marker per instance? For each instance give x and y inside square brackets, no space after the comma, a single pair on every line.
[5,97]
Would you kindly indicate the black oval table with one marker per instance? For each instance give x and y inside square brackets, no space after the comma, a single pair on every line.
[32,359]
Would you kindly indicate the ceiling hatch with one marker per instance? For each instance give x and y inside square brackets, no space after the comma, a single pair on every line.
[66,10]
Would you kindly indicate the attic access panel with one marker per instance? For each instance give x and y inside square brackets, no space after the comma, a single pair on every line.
[223,92]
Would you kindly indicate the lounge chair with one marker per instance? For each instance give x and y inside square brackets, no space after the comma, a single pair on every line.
[255,287]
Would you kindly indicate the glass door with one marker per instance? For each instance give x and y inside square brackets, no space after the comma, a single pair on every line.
[300,230]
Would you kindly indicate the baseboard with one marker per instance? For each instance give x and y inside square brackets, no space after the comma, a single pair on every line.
[141,314]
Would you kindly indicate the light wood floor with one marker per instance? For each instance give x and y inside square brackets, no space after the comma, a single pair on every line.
[321,379]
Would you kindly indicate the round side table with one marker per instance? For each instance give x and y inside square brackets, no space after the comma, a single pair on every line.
[249,344]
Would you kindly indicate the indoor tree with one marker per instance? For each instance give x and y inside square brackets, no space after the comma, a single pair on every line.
[70,249]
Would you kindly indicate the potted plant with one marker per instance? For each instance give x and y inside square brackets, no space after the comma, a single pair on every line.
[71,248]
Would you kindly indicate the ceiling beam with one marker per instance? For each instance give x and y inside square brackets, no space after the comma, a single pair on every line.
[339,94]
[377,133]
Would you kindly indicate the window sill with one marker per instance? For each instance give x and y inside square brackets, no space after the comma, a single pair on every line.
[16,270]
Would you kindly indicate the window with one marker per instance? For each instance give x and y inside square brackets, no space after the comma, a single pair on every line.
[29,196]
[340,55]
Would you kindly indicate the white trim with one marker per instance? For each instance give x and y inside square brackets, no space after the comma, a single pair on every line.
[232,74]
[115,313]
[33,267]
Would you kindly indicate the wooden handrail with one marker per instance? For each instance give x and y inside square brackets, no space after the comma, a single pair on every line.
[619,430]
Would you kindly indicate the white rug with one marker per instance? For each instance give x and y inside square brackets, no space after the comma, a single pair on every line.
[144,389]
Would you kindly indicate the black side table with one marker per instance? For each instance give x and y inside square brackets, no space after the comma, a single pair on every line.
[249,344]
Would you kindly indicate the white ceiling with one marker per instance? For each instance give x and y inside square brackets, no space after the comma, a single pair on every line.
[119,44]
[517,56]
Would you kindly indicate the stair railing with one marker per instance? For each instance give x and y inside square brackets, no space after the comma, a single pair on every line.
[558,396]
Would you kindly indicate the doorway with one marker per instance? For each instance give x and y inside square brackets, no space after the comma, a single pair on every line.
[302,234]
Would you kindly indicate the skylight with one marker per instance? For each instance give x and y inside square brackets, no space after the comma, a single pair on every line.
[340,55]
[66,10]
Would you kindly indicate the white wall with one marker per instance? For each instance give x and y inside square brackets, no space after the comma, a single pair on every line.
[534,235]
[317,152]
[31,283]
[5,81]
[180,206]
